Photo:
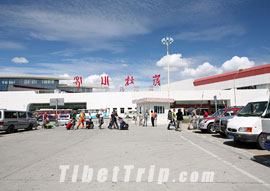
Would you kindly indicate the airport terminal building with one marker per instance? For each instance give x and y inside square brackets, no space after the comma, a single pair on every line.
[230,89]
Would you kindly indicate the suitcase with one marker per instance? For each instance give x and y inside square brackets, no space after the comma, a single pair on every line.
[124,126]
[69,125]
[110,125]
[89,125]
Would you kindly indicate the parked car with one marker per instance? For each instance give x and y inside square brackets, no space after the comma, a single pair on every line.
[130,114]
[247,125]
[63,119]
[207,124]
[11,121]
[220,123]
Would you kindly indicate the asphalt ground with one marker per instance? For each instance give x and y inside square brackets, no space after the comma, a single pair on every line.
[170,160]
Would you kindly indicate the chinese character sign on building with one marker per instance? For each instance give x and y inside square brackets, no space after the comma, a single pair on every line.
[156,80]
[105,80]
[78,81]
[129,80]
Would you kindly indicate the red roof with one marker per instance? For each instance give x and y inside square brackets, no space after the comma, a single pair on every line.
[258,70]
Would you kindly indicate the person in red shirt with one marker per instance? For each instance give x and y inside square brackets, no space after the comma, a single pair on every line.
[205,114]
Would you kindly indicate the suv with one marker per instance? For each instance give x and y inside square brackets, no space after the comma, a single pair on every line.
[207,124]
[11,121]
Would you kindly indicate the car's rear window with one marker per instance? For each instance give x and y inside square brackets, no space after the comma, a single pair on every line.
[0,114]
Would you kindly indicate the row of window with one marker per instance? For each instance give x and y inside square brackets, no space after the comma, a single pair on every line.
[13,115]
[26,82]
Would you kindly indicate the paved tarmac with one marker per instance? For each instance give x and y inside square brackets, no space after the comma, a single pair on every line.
[31,160]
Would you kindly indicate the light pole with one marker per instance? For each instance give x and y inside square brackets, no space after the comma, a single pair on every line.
[167,41]
[234,85]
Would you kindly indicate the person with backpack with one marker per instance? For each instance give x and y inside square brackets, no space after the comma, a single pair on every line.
[153,116]
[179,119]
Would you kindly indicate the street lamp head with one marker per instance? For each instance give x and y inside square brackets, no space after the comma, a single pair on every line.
[166,40]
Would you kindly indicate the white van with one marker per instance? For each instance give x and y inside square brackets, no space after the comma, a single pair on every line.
[247,125]
[11,121]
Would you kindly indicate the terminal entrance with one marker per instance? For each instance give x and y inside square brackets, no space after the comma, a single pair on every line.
[207,105]
[39,106]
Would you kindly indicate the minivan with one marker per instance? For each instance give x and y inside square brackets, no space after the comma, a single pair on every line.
[247,125]
[11,120]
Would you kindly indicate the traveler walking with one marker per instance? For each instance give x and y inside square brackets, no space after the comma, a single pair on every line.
[145,118]
[192,117]
[179,119]
[153,118]
[45,119]
[81,120]
[114,119]
[100,120]
[73,119]
[170,119]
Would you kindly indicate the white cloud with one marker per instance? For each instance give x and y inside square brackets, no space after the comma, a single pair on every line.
[93,79]
[204,69]
[175,60]
[237,63]
[11,45]
[207,69]
[19,60]
[212,34]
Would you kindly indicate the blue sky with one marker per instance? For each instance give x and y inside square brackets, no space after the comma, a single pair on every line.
[91,38]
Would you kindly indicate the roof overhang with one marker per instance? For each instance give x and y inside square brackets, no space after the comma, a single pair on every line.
[153,100]
[36,77]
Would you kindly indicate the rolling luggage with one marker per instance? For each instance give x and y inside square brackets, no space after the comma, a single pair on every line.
[89,124]
[110,125]
[124,126]
[69,125]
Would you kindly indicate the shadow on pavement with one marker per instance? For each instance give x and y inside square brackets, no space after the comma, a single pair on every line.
[219,136]
[241,145]
[262,159]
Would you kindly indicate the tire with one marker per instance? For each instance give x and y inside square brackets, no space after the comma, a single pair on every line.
[10,129]
[211,128]
[260,143]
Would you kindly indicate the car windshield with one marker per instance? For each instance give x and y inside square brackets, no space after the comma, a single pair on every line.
[253,109]
[218,113]
[64,116]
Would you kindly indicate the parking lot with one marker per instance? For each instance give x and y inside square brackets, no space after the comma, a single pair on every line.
[32,160]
